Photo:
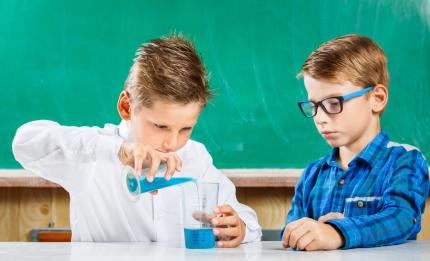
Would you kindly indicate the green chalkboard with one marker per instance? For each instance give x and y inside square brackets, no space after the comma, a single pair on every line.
[67,61]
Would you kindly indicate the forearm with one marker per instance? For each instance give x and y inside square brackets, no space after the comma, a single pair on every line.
[390,227]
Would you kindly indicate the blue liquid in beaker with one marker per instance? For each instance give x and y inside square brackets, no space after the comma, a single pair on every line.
[199,238]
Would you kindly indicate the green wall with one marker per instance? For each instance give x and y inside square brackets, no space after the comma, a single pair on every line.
[67,61]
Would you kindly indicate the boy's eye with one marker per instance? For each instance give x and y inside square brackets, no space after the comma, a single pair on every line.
[158,126]
[332,105]
[186,129]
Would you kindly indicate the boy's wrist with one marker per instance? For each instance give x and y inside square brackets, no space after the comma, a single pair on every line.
[340,238]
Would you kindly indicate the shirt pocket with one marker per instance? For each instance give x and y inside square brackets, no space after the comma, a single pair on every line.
[361,206]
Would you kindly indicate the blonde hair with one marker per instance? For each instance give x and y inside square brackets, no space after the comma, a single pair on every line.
[352,58]
[167,69]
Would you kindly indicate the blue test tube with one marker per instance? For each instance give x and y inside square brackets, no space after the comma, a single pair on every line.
[138,185]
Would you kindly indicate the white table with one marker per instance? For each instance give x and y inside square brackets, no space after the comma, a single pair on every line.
[269,250]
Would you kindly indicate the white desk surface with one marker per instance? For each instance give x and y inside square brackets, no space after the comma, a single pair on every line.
[269,250]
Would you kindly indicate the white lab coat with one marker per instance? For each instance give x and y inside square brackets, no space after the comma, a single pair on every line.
[84,161]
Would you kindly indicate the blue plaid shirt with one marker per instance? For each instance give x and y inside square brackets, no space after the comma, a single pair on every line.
[382,194]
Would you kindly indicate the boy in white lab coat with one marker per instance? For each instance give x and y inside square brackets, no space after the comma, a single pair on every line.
[165,92]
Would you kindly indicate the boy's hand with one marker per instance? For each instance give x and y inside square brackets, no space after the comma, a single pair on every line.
[309,234]
[229,226]
[140,156]
[329,216]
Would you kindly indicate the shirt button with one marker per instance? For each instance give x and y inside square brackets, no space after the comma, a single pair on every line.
[360,204]
[415,220]
[341,182]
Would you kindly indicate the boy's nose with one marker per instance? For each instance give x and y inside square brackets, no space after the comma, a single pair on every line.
[170,143]
[321,118]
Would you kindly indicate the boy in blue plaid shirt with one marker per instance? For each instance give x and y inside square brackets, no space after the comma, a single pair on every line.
[368,191]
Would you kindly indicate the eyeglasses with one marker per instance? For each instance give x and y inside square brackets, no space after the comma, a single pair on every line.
[332,105]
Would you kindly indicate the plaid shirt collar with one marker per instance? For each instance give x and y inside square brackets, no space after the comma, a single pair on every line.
[369,154]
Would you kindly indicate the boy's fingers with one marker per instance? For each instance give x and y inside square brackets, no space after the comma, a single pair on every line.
[229,244]
[178,162]
[339,215]
[224,209]
[125,154]
[329,216]
[139,155]
[290,228]
[138,166]
[295,224]
[154,192]
[171,166]
[226,221]
[285,238]
[297,234]
[312,246]
[324,218]
[305,240]
[155,163]
[203,217]
[227,232]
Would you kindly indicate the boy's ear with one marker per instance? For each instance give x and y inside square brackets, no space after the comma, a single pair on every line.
[380,98]
[124,106]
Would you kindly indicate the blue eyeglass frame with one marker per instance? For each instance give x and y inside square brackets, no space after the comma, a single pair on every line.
[341,99]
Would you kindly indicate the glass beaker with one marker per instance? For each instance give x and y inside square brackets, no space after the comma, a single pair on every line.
[199,200]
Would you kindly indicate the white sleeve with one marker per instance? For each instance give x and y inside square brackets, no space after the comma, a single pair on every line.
[227,195]
[61,153]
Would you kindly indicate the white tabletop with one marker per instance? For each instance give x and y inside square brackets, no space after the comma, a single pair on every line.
[269,250]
